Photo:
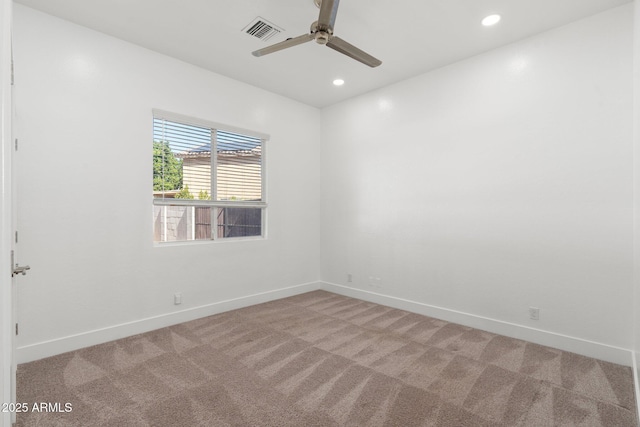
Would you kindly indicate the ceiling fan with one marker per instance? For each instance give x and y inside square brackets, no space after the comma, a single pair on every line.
[322,33]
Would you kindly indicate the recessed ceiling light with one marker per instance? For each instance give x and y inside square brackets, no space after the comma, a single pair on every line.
[491,20]
[338,82]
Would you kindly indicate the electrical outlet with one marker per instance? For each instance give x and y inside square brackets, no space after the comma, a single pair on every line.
[349,278]
[534,313]
[177,298]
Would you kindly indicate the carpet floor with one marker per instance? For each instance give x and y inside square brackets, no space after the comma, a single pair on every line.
[321,359]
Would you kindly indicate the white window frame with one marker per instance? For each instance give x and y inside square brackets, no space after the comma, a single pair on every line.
[216,205]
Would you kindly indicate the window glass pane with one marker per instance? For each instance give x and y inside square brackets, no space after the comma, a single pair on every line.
[239,222]
[239,167]
[181,160]
[181,223]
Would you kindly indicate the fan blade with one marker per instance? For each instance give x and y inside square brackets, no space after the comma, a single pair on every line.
[328,12]
[283,45]
[336,43]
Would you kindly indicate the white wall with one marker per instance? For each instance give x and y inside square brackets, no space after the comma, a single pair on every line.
[495,184]
[85,213]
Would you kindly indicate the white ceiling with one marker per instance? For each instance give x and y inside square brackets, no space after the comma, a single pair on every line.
[411,37]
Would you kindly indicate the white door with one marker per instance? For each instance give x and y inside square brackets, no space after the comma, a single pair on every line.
[7,360]
[18,270]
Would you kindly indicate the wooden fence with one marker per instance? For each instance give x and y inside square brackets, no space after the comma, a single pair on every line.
[185,223]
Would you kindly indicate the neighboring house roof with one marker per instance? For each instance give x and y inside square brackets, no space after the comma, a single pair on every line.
[229,149]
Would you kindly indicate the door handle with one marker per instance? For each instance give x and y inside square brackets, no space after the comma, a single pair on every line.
[20,270]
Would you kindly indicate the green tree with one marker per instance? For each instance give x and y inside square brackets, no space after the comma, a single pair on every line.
[167,169]
[184,193]
[204,195]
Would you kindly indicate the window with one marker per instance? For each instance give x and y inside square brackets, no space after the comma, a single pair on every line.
[200,196]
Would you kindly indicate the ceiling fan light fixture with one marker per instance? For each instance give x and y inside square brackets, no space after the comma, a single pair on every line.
[338,82]
[491,20]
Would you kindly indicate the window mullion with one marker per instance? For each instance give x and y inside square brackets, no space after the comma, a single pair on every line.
[214,183]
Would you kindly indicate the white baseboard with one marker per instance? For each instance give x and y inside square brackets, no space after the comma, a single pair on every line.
[596,350]
[56,346]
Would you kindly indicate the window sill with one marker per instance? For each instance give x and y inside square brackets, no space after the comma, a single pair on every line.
[208,242]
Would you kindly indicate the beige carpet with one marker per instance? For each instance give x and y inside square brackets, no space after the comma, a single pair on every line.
[321,359]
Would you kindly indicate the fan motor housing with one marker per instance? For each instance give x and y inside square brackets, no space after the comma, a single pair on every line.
[322,35]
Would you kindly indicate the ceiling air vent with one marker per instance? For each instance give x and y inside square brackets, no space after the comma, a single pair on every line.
[262,29]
